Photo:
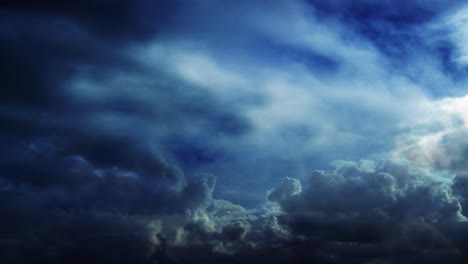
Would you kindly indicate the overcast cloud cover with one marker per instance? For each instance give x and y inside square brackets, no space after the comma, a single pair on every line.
[234,131]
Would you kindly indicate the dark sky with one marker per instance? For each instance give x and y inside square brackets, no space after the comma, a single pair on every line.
[227,131]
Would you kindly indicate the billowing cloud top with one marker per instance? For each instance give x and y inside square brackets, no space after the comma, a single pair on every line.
[336,131]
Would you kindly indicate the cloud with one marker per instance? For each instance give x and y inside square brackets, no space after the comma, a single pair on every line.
[191,91]
[374,211]
[294,78]
[458,34]
[82,209]
[113,113]
[437,140]
[74,209]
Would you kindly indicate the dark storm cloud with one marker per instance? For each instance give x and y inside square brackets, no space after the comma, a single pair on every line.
[45,46]
[385,212]
[40,52]
[77,181]
[359,212]
[69,209]
[114,20]
[59,208]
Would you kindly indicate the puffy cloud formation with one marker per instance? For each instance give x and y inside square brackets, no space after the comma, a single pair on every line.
[376,212]
[439,141]
[72,209]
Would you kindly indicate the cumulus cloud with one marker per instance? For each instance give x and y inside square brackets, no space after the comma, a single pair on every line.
[358,211]
[368,211]
[71,209]
[385,211]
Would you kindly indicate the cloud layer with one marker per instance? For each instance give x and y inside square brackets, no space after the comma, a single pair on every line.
[115,116]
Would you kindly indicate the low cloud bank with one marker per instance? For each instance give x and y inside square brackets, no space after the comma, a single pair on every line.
[382,211]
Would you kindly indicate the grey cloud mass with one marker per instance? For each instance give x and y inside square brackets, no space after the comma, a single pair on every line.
[233,132]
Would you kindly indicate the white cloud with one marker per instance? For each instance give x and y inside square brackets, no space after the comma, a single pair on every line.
[439,139]
[457,23]
[191,64]
[295,110]
[451,27]
[361,103]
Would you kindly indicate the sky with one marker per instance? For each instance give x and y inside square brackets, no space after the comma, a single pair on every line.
[222,131]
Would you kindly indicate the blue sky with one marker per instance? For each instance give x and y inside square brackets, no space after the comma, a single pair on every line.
[218,130]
